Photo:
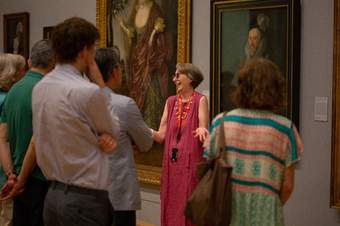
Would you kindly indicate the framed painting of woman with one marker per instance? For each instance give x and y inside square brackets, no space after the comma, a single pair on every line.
[152,36]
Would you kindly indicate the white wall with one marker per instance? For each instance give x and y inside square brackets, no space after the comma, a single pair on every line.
[309,205]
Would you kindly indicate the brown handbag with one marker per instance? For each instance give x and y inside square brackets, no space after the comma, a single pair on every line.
[210,202]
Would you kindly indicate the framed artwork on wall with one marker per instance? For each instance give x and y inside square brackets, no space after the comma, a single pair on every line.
[16,33]
[47,32]
[241,30]
[150,45]
[335,164]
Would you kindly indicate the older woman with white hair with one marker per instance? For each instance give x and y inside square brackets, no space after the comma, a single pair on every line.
[12,68]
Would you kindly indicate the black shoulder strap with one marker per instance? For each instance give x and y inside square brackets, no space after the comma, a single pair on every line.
[221,138]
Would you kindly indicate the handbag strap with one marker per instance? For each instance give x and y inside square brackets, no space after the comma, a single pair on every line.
[221,137]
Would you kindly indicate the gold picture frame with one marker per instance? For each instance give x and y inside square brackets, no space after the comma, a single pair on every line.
[149,170]
[335,165]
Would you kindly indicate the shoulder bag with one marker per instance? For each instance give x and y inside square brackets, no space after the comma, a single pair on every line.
[210,202]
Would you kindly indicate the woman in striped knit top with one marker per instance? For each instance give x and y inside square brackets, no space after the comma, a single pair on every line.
[262,146]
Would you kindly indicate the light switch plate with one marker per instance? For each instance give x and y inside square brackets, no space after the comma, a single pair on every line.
[321,109]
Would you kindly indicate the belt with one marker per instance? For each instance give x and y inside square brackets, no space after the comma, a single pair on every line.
[76,189]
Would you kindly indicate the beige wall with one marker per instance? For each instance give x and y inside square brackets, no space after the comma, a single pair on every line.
[309,205]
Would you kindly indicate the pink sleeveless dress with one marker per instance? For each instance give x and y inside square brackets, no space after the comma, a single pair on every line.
[179,178]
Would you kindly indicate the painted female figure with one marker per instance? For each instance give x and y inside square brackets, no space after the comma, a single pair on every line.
[147,69]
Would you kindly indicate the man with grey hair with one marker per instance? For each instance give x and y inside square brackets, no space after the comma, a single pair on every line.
[132,129]
[16,128]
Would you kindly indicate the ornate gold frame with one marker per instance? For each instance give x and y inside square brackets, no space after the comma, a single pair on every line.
[335,168]
[146,173]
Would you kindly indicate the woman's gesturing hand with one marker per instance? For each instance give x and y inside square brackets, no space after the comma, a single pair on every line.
[202,133]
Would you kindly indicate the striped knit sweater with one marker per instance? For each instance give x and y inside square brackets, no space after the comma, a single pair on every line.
[260,146]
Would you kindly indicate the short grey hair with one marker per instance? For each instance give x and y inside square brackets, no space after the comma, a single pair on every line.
[192,72]
[10,65]
[107,59]
[42,54]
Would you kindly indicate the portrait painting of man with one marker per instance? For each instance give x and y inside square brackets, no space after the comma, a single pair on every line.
[248,34]
[244,30]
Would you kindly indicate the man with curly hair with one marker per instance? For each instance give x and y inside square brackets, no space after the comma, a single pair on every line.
[74,130]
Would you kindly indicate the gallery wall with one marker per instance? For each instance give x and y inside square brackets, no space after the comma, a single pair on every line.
[309,204]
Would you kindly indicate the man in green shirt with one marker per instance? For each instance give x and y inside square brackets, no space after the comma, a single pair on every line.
[16,127]
[12,69]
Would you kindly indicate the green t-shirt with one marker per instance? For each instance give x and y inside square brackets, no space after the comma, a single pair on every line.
[2,173]
[2,99]
[17,113]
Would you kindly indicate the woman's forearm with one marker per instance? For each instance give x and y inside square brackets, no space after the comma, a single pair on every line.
[288,184]
[158,136]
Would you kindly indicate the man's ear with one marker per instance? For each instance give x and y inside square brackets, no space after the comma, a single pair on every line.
[111,82]
[112,76]
[29,62]
[115,73]
[81,54]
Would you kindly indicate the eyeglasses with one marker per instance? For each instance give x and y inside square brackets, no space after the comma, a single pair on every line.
[176,75]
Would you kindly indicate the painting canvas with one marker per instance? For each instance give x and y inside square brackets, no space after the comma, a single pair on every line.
[47,32]
[16,33]
[242,30]
[152,37]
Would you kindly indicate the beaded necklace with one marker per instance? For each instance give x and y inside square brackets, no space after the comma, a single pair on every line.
[182,112]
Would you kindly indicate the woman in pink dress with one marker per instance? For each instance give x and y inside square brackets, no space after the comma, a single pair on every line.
[184,128]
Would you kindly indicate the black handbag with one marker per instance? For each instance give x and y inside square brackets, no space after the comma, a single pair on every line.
[210,202]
